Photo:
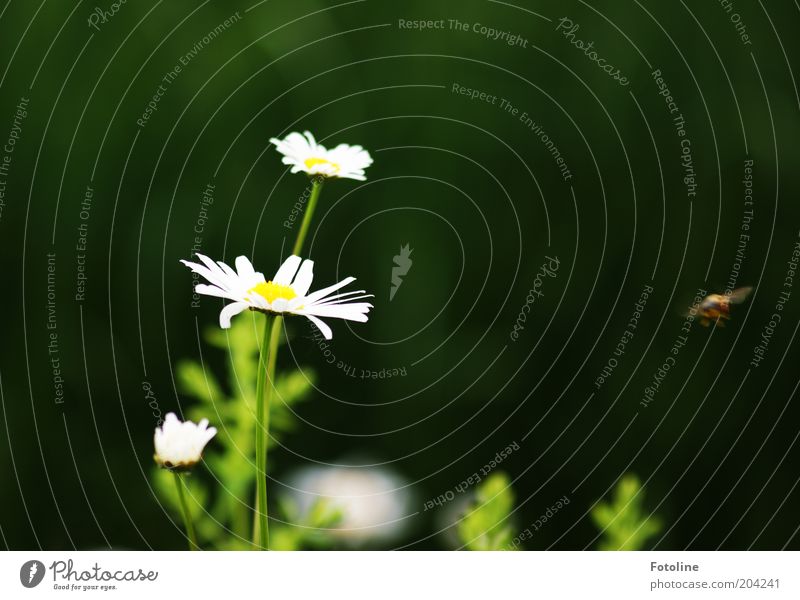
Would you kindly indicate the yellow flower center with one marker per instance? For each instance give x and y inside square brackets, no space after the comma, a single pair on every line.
[313,162]
[272,291]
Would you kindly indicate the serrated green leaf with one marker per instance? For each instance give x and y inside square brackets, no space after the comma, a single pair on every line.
[485,524]
[229,457]
[623,521]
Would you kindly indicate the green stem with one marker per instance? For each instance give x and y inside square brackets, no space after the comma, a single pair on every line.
[264,388]
[187,518]
[316,188]
[266,373]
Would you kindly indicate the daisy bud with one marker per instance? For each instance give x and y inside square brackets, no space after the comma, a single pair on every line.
[179,446]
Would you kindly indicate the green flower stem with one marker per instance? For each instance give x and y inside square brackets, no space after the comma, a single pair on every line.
[187,517]
[316,188]
[264,388]
[266,373]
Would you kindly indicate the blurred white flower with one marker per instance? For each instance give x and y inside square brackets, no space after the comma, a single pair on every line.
[180,445]
[283,294]
[303,153]
[373,501]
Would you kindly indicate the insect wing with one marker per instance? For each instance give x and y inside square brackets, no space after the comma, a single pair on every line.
[739,295]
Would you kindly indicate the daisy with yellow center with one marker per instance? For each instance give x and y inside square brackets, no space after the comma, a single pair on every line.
[272,291]
[303,153]
[285,293]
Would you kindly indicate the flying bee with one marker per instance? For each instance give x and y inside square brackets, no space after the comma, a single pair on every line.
[717,307]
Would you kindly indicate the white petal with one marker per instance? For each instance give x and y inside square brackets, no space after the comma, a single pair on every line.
[319,294]
[302,281]
[213,267]
[209,433]
[228,271]
[287,271]
[352,312]
[298,142]
[279,305]
[257,300]
[324,329]
[211,277]
[229,311]
[244,267]
[293,146]
[357,177]
[212,290]
[341,298]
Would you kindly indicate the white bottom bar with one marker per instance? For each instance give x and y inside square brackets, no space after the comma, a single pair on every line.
[400,575]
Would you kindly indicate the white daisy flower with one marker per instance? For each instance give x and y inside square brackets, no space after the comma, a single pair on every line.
[373,501]
[285,293]
[305,154]
[180,445]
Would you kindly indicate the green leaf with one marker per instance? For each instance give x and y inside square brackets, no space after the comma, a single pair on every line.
[311,530]
[486,523]
[198,382]
[623,521]
[229,456]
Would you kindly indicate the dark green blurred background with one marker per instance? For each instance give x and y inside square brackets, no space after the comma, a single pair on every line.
[478,197]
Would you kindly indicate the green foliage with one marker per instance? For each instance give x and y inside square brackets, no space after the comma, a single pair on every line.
[224,519]
[486,524]
[624,524]
[306,531]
